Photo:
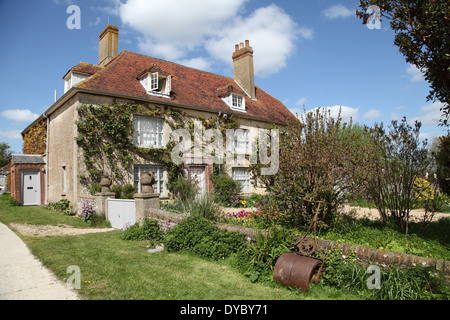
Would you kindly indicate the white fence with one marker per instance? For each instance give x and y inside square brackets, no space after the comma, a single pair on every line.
[121,212]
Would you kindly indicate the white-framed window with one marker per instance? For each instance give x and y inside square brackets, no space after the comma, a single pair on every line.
[159,186]
[148,132]
[72,79]
[157,84]
[154,81]
[241,141]
[237,101]
[243,176]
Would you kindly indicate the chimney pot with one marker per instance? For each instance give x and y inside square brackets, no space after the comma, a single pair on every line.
[241,45]
[247,43]
[236,47]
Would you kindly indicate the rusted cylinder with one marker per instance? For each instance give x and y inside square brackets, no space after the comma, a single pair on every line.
[292,270]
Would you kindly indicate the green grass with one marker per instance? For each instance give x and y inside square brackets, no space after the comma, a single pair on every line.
[112,268]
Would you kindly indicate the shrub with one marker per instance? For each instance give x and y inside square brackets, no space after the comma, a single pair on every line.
[321,159]
[202,237]
[124,192]
[399,159]
[413,283]
[225,188]
[149,230]
[184,189]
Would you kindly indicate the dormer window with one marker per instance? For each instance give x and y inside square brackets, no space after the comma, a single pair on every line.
[157,84]
[72,79]
[229,95]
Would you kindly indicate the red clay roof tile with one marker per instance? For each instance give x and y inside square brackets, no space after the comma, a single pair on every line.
[190,86]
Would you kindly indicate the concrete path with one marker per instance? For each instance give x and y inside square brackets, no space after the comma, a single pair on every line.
[23,277]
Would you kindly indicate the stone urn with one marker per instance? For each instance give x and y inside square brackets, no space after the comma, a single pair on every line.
[147,181]
[105,182]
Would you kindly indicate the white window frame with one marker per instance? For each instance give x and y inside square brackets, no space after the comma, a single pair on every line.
[157,85]
[153,81]
[237,101]
[160,184]
[241,141]
[242,175]
[139,123]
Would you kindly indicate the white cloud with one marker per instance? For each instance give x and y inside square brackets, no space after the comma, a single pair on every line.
[11,134]
[20,115]
[178,30]
[414,74]
[371,114]
[431,114]
[337,11]
[301,102]
[197,63]
[272,34]
[347,113]
[183,22]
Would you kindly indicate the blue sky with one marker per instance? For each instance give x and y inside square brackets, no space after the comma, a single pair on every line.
[307,54]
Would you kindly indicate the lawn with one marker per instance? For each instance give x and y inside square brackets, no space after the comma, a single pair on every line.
[112,268]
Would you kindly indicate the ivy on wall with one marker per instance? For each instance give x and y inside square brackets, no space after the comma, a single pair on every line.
[105,136]
[35,139]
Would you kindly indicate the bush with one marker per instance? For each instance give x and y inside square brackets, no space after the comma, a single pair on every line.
[148,231]
[202,237]
[184,189]
[414,283]
[63,206]
[124,192]
[225,188]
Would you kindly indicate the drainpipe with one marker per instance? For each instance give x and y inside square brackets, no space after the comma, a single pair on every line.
[46,158]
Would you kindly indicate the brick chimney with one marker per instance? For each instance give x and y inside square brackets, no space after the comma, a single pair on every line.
[109,39]
[243,70]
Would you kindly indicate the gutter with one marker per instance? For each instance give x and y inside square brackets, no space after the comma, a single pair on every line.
[74,90]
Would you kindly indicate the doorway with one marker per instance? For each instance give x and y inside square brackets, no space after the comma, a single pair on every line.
[198,174]
[31,188]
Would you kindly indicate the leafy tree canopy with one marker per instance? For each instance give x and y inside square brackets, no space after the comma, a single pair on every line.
[422,29]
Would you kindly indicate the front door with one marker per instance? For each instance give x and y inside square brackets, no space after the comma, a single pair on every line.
[31,188]
[198,174]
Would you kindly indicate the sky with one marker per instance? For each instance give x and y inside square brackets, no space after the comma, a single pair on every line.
[307,54]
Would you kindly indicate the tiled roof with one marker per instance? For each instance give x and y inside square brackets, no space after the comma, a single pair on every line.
[27,158]
[85,68]
[190,86]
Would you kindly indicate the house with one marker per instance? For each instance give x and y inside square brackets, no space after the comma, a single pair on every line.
[161,96]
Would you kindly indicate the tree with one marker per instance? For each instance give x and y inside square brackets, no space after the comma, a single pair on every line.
[5,154]
[443,163]
[400,157]
[422,31]
[321,159]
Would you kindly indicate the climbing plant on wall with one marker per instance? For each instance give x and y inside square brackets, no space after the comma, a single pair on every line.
[105,136]
[35,139]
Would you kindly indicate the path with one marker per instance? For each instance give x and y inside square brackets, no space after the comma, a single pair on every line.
[23,277]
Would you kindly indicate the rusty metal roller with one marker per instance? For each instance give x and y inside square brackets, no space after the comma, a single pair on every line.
[292,270]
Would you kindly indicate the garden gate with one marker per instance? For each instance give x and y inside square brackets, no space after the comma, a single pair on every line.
[121,212]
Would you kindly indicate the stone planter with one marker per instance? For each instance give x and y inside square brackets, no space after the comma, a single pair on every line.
[147,181]
[105,182]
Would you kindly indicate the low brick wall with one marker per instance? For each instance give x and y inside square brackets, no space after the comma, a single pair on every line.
[364,255]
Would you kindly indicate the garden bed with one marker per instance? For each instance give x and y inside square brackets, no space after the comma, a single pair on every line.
[363,254]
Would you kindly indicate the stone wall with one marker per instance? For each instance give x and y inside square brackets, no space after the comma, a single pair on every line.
[364,255]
